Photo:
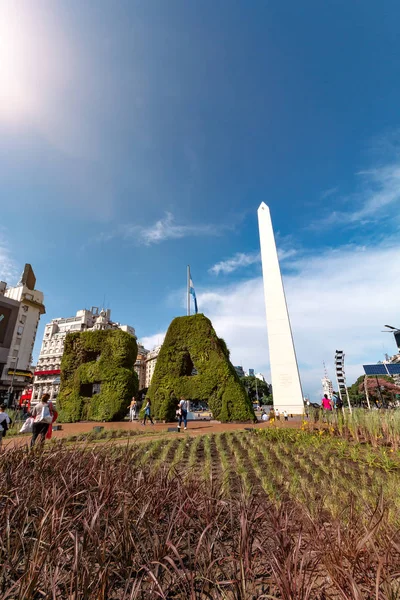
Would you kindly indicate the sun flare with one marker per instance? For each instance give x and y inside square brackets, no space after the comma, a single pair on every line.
[15,93]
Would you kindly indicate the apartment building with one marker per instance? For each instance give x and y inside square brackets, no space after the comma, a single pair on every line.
[21,307]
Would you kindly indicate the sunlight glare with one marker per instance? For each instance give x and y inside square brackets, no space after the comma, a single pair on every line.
[16,94]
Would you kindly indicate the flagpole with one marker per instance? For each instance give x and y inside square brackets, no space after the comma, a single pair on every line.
[188,291]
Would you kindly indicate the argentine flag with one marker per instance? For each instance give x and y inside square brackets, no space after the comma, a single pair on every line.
[193,293]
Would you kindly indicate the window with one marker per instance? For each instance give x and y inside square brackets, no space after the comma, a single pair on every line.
[22,319]
[15,353]
[29,296]
[13,364]
[20,330]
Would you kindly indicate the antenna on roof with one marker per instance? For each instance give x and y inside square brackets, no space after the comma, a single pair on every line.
[325,370]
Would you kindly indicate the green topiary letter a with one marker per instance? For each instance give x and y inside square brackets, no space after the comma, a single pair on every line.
[192,342]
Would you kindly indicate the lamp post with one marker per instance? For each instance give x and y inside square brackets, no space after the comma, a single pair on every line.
[10,389]
[396,333]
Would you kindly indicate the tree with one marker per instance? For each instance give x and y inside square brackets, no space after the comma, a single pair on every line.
[254,386]
[380,390]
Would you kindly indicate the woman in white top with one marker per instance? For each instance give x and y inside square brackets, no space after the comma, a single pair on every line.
[43,415]
[182,413]
[5,421]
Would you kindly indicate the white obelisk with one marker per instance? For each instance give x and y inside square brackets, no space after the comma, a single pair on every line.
[286,386]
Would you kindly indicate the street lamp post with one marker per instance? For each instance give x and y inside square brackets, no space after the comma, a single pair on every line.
[366,391]
[11,388]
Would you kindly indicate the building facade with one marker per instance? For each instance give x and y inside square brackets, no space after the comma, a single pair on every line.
[327,387]
[239,370]
[395,360]
[21,307]
[140,365]
[48,369]
[151,361]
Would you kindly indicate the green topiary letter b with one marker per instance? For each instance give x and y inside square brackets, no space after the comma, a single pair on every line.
[97,376]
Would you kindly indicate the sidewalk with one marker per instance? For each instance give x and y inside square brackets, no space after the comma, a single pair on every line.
[194,428]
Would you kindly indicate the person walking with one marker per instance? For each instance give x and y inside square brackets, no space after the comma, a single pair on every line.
[54,417]
[43,415]
[25,411]
[277,414]
[182,413]
[5,423]
[147,412]
[133,410]
[326,402]
[264,416]
[285,415]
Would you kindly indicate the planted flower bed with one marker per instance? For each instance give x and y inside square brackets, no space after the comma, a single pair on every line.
[272,514]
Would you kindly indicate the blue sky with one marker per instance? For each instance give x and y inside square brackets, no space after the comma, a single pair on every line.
[138,137]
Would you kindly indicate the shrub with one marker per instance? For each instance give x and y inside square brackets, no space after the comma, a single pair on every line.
[192,342]
[102,357]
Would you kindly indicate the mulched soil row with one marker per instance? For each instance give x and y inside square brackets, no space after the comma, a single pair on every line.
[243,459]
[216,469]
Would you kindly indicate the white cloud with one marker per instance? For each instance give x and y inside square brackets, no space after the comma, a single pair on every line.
[378,198]
[166,229]
[151,341]
[383,189]
[337,300]
[283,253]
[329,192]
[242,259]
[8,267]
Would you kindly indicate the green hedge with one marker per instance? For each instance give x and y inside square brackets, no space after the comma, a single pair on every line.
[105,357]
[192,341]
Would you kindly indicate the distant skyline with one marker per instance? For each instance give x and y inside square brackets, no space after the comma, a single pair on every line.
[139,137]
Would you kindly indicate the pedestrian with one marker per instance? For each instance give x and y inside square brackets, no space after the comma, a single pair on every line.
[264,416]
[307,408]
[54,415]
[182,413]
[133,409]
[285,415]
[5,423]
[277,414]
[43,415]
[326,402]
[339,403]
[147,412]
